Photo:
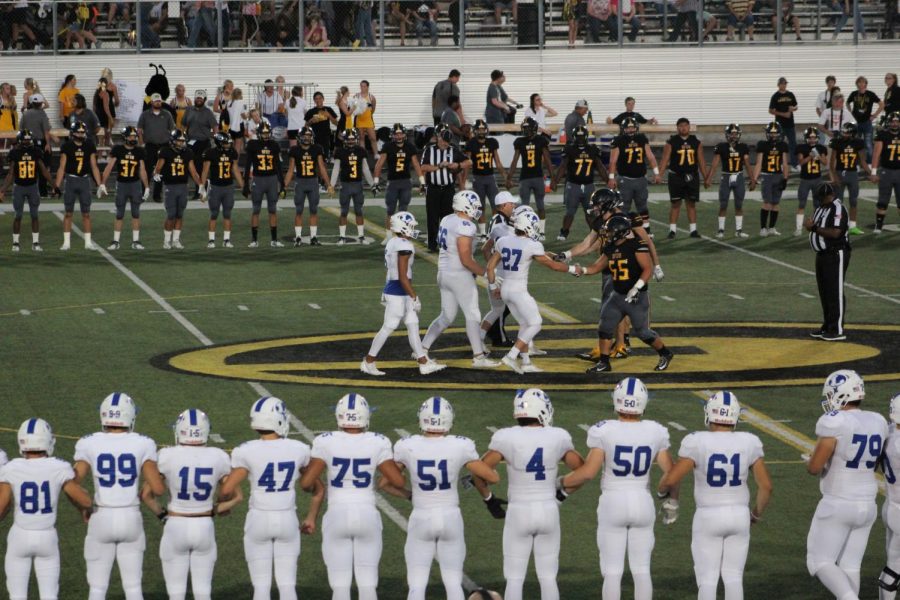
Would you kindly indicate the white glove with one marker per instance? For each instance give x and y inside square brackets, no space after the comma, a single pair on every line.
[383,300]
[669,511]
[416,304]
[203,193]
[101,190]
[632,295]
[42,13]
[658,273]
[576,270]
[157,177]
[146,195]
[498,280]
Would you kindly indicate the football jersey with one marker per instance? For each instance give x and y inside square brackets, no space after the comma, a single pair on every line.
[846,152]
[890,150]
[582,163]
[3,458]
[623,264]
[532,456]
[481,153]
[772,155]
[306,160]
[274,466]
[264,157]
[352,460]
[116,460]
[78,157]
[861,435]
[23,162]
[36,484]
[399,160]
[890,464]
[192,474]
[631,162]
[351,160]
[722,462]
[684,159]
[812,169]
[516,255]
[220,165]
[394,248]
[629,448]
[175,168]
[531,152]
[128,162]
[500,227]
[733,157]
[451,228]
[434,464]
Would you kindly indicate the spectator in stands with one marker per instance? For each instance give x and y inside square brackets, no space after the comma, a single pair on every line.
[442,92]
[18,19]
[686,13]
[788,19]
[500,5]
[539,111]
[250,30]
[36,121]
[572,12]
[629,16]
[426,20]
[81,19]
[254,118]
[31,88]
[66,97]
[220,102]
[453,13]
[823,100]
[279,119]
[499,109]
[575,118]
[400,16]
[82,114]
[315,35]
[630,114]
[179,104]
[865,105]
[296,114]
[237,116]
[891,94]
[844,7]
[365,120]
[365,36]
[782,106]
[204,22]
[319,118]
[288,25]
[271,103]
[105,109]
[9,115]
[342,101]
[832,119]
[451,118]
[111,15]
[599,16]
[740,17]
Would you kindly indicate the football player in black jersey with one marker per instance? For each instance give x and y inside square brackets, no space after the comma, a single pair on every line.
[131,185]
[812,158]
[734,157]
[263,177]
[78,163]
[220,173]
[350,166]
[175,163]
[772,171]
[629,155]
[886,167]
[400,154]
[26,162]
[535,153]
[307,159]
[848,154]
[581,163]
[683,160]
[484,152]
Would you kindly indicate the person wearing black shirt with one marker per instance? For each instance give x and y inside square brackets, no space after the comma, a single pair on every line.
[581,163]
[812,157]
[865,105]
[630,114]
[848,154]
[263,177]
[307,158]
[782,106]
[131,185]
[351,165]
[219,174]
[886,167]
[26,163]
[78,163]
[173,166]
[441,162]
[772,172]
[830,241]
[734,156]
[684,162]
[891,94]
[399,155]
[535,153]
[484,152]
[319,118]
[629,155]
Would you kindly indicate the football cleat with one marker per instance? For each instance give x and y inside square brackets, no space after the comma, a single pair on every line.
[531,368]
[695,234]
[276,244]
[113,246]
[369,368]
[621,352]
[671,235]
[877,231]
[739,233]
[855,231]
[720,234]
[482,361]
[227,244]
[363,240]
[167,245]
[91,246]
[210,244]
[513,364]
[137,246]
[430,366]
[592,356]
[253,244]
[64,247]
[834,337]
[773,231]
[600,367]
[298,242]
[36,247]
[535,351]
[798,232]
[818,334]
[664,361]
[314,241]
[16,247]
[763,232]
[177,245]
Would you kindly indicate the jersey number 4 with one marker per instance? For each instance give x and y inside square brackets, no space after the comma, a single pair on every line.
[267,479]
[536,465]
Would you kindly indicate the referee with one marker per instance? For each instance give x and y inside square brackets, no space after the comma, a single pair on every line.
[828,238]
[440,163]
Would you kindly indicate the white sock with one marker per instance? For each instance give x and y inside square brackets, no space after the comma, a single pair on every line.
[721,223]
[117,235]
[673,227]
[87,239]
[481,229]
[176,235]
[852,224]
[212,236]
[313,230]
[692,227]
[513,353]
[526,360]
[67,237]
[798,221]
[361,230]
[543,224]
[739,222]
[483,334]
[167,236]
[646,224]
[226,235]
[298,231]
[342,230]
[15,238]
[35,237]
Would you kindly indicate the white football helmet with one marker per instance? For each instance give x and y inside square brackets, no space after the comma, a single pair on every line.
[528,223]
[533,403]
[436,415]
[404,223]
[895,409]
[522,208]
[630,396]
[842,387]
[118,410]
[722,408]
[467,202]
[192,428]
[36,435]
[352,412]
[270,414]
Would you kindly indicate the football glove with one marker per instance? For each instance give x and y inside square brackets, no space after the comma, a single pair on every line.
[377,189]
[563,257]
[658,273]
[632,296]
[202,190]
[669,511]
[163,516]
[495,506]
[157,177]
[146,195]
[561,493]
[101,190]
[416,304]
[466,483]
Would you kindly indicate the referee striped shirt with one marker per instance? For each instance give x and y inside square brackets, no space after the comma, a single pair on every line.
[432,155]
[830,215]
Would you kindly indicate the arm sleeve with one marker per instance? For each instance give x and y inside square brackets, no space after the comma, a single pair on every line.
[690,448]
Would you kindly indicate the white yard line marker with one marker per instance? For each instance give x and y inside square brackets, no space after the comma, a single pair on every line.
[24,312]
[735,296]
[583,426]
[668,298]
[677,426]
[99,311]
[402,433]
[315,306]
[491,429]
[242,308]
[218,439]
[156,312]
[805,295]
[597,300]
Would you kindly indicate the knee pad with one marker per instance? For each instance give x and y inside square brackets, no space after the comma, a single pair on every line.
[605,333]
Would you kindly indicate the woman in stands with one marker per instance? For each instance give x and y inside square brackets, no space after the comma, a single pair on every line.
[66,97]
[296,114]
[180,103]
[365,122]
[539,111]
[237,116]
[342,101]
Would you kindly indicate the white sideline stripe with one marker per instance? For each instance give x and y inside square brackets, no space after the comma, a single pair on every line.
[157,312]
[583,426]
[735,296]
[402,432]
[215,437]
[677,426]
[314,306]
[491,429]
[241,307]
[775,261]
[99,311]
[597,300]
[389,511]
[24,312]
[668,298]
[805,295]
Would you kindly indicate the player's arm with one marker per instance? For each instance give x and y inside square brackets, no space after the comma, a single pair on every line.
[491,458]
[367,173]
[785,166]
[672,479]
[157,170]
[402,273]
[379,165]
[757,168]
[499,164]
[485,472]
[832,167]
[581,248]
[289,176]
[548,164]
[667,154]
[399,491]
[95,170]
[310,476]
[193,171]
[601,168]
[417,167]
[308,526]
[204,174]
[651,160]
[712,169]
[238,178]
[232,483]
[151,475]
[665,462]
[335,173]
[61,170]
[586,472]
[554,265]
[108,170]
[512,169]
[464,248]
[763,489]
[487,249]
[864,163]
[149,500]
[646,264]
[611,181]
[560,172]
[490,271]
[5,499]
[142,174]
[821,454]
[222,508]
[77,495]
[876,156]
[598,266]
[391,472]
[81,470]
[701,162]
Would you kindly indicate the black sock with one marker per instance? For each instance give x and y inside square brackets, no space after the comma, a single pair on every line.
[564,232]
[773,218]
[254,231]
[879,221]
[604,358]
[663,351]
[763,218]
[274,231]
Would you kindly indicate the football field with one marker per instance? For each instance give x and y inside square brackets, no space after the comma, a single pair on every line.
[215,329]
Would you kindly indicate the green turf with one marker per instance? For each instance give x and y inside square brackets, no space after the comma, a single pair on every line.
[63,358]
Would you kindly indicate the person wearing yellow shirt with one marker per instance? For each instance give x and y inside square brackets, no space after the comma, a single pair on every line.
[365,122]
[66,98]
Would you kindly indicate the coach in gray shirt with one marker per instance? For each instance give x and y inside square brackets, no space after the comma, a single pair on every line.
[441,94]
[35,120]
[451,119]
[576,118]
[498,100]
[155,125]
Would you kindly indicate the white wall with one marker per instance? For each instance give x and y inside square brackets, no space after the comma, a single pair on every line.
[709,85]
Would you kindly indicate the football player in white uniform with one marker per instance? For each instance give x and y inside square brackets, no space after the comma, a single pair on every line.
[849,444]
[32,484]
[721,460]
[532,450]
[625,449]
[3,458]
[890,511]
[434,461]
[456,271]
[515,254]
[117,458]
[501,225]
[192,472]
[273,463]
[351,528]
[400,299]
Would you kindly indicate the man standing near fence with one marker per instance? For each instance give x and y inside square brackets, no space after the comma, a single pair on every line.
[154,127]
[782,106]
[443,90]
[441,161]
[201,125]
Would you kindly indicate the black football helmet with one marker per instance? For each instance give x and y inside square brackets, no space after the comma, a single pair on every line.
[25,138]
[893,122]
[774,132]
[223,141]
[733,133]
[177,139]
[78,131]
[617,228]
[306,136]
[130,135]
[481,129]
[580,136]
[398,134]
[849,130]
[264,131]
[811,136]
[630,126]
[350,137]
[529,127]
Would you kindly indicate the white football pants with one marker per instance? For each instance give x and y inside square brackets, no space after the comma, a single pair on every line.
[188,545]
[531,525]
[836,543]
[398,308]
[272,537]
[498,306]
[625,521]
[890,514]
[24,546]
[524,308]
[351,545]
[720,541]
[458,290]
[115,535]
[435,532]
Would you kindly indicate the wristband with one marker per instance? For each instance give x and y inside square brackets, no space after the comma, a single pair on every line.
[573,270]
[656,170]
[640,284]
[421,180]
[612,176]
[568,254]
[493,286]
[162,516]
[662,495]
[755,518]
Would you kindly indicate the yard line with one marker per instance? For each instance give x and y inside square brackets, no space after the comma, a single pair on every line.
[314,306]
[805,295]
[243,308]
[156,312]
[585,427]
[597,300]
[668,298]
[402,433]
[99,311]
[735,296]
[24,312]
[491,429]
[215,437]
[677,426]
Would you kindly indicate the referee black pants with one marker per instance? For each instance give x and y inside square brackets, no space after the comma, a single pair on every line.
[438,204]
[831,266]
